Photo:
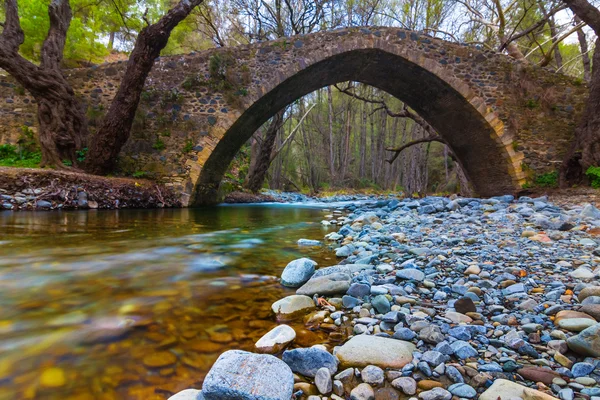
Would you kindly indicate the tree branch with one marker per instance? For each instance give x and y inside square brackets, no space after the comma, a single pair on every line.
[587,12]
[12,35]
[428,139]
[54,45]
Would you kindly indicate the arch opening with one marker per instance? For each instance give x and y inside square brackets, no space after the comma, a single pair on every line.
[456,117]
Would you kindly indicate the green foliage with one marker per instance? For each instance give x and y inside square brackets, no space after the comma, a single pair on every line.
[150,95]
[189,146]
[158,145]
[81,154]
[193,82]
[532,103]
[139,174]
[549,179]
[593,174]
[91,21]
[7,150]
[14,156]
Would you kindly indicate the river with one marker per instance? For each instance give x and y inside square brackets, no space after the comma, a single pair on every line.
[138,304]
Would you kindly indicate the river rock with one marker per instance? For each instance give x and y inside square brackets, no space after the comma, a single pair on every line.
[587,292]
[406,385]
[326,285]
[308,361]
[576,324]
[538,374]
[587,342]
[308,242]
[410,274]
[593,310]
[503,389]
[435,394]
[323,380]
[362,392]
[298,272]
[293,305]
[239,375]
[464,305]
[276,339]
[188,394]
[364,350]
[569,314]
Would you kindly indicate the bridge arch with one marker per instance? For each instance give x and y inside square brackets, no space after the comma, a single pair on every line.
[474,132]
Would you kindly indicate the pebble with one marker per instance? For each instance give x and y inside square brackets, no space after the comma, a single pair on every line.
[450,296]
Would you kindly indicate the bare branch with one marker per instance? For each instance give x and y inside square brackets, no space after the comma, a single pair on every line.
[399,150]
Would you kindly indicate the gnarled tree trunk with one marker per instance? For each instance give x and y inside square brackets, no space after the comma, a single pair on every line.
[62,123]
[585,148]
[116,126]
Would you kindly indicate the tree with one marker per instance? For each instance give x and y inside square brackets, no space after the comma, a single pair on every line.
[116,126]
[62,123]
[585,148]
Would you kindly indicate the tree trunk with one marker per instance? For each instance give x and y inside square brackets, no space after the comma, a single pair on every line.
[62,122]
[257,175]
[363,142]
[585,148]
[553,34]
[331,153]
[585,56]
[116,126]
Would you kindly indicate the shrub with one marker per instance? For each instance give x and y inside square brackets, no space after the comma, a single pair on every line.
[7,150]
[158,145]
[593,173]
[139,174]
[189,146]
[549,179]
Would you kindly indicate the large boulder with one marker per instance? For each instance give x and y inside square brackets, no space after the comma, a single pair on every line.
[326,285]
[308,361]
[503,389]
[297,272]
[363,350]
[292,306]
[239,375]
[276,339]
[587,342]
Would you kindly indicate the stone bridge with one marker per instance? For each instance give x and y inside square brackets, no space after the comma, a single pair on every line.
[506,121]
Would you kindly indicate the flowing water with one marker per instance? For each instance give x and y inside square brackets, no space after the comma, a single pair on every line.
[138,304]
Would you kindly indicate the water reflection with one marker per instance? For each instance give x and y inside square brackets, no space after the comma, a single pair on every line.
[137,304]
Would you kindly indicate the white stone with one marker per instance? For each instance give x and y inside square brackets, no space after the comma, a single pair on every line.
[276,339]
[506,390]
[293,304]
[364,350]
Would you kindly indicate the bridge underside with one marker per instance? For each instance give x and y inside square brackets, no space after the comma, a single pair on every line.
[474,136]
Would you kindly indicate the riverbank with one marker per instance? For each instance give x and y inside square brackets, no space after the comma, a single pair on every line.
[46,189]
[435,299]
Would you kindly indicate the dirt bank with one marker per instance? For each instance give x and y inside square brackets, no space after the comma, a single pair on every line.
[46,189]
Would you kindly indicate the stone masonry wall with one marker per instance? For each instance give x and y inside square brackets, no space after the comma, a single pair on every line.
[192,100]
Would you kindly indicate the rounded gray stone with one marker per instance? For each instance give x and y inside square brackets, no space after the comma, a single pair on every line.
[298,272]
[239,375]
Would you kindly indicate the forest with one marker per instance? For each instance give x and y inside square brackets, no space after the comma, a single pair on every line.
[347,135]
